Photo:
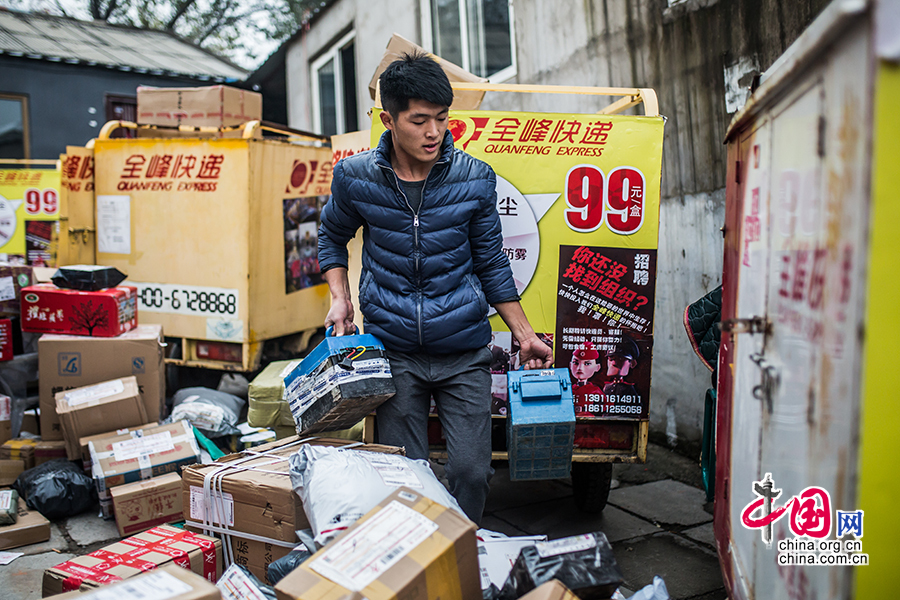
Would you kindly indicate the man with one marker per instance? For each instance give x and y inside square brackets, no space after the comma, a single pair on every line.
[432,264]
[582,367]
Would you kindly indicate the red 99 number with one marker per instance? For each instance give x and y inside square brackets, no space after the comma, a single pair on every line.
[37,201]
[584,196]
[620,201]
[625,200]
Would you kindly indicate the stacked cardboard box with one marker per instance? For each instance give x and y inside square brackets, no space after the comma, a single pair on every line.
[121,458]
[69,362]
[407,547]
[210,106]
[98,408]
[19,449]
[145,504]
[170,582]
[9,471]
[5,418]
[261,510]
[48,450]
[103,313]
[127,558]
[30,528]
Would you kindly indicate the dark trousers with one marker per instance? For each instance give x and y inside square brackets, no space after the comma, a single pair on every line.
[461,387]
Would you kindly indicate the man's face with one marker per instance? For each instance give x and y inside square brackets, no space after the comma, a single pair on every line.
[582,370]
[418,131]
[618,365]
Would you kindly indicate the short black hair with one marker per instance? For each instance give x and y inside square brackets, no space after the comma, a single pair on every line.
[415,75]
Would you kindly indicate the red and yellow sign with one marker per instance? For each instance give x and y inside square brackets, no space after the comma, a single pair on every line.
[578,198]
[29,209]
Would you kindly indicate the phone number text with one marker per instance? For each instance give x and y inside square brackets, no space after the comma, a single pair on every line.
[187,299]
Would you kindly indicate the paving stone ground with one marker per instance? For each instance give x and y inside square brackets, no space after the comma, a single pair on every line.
[655,521]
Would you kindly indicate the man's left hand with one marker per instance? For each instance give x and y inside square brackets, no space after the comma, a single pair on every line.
[534,354]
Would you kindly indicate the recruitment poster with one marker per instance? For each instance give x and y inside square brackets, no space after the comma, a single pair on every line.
[29,215]
[578,198]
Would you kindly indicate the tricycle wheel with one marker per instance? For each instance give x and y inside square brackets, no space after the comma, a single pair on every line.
[590,485]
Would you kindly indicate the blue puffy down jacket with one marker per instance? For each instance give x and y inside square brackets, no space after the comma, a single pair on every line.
[428,278]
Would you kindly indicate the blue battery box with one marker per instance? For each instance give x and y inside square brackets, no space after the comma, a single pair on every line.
[341,381]
[540,424]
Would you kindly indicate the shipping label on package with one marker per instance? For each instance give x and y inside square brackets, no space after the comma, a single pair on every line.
[364,554]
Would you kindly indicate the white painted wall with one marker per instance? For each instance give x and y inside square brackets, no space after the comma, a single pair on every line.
[374,22]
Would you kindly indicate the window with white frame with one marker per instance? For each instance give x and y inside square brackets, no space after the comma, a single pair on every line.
[334,88]
[477,35]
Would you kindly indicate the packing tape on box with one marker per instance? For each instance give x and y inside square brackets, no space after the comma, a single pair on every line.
[240,534]
[78,574]
[214,494]
[143,457]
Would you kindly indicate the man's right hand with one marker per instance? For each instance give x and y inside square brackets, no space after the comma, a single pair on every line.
[340,315]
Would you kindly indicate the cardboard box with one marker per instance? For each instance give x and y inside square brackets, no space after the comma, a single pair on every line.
[69,362]
[12,279]
[171,582]
[85,449]
[45,451]
[145,504]
[31,423]
[263,481]
[19,449]
[5,418]
[105,313]
[93,409]
[125,458]
[157,547]
[210,106]
[10,471]
[399,45]
[552,590]
[30,528]
[413,548]
[267,406]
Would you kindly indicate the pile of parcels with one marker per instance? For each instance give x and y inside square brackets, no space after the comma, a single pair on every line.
[305,516]
[325,518]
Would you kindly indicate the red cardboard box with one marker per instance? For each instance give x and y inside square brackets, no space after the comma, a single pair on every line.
[104,313]
[157,547]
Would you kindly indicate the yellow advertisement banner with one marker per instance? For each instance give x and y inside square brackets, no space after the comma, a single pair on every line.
[578,199]
[29,213]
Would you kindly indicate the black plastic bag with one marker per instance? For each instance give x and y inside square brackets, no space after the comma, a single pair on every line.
[57,489]
[583,563]
[214,413]
[278,569]
[87,278]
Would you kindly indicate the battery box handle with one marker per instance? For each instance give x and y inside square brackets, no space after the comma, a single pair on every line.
[329,331]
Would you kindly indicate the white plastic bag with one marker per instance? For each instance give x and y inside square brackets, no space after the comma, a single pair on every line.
[652,591]
[338,486]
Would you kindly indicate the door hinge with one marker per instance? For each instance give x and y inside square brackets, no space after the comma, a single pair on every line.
[751,325]
[84,231]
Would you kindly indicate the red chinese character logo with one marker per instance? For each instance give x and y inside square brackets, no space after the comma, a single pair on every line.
[810,511]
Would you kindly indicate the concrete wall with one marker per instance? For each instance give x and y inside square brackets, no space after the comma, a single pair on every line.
[699,56]
[61,96]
